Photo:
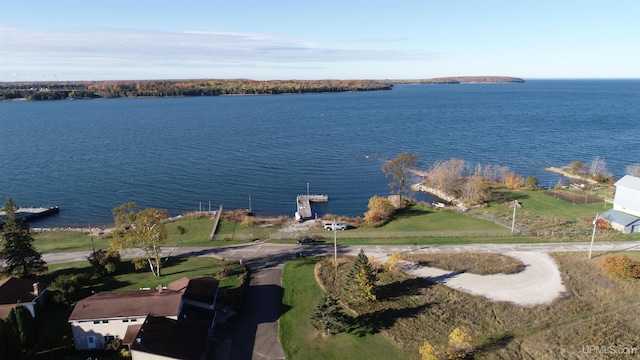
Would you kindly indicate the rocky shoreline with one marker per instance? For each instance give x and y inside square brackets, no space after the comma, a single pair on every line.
[562,171]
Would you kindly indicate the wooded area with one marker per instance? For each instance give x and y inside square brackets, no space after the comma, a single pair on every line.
[163,88]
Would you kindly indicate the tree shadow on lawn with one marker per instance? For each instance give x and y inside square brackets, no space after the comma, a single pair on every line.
[501,196]
[398,289]
[495,342]
[410,212]
[373,323]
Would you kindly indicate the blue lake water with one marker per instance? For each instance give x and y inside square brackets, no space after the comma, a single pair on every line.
[88,156]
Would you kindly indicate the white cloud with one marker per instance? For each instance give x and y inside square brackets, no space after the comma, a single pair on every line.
[140,48]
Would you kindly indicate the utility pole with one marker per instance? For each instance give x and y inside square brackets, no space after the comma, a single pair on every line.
[335,245]
[92,245]
[593,235]
[513,220]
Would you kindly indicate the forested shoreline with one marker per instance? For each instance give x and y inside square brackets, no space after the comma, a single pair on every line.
[62,90]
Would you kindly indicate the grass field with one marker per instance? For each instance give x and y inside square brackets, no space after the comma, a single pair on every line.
[301,341]
[542,212]
[596,310]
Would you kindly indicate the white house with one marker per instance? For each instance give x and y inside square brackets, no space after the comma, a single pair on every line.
[104,317]
[625,215]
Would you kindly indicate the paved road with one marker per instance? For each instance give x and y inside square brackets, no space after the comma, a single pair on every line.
[277,254]
[254,334]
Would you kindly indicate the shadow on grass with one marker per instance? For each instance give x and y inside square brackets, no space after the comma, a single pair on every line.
[410,212]
[373,323]
[399,289]
[495,342]
[500,197]
[604,253]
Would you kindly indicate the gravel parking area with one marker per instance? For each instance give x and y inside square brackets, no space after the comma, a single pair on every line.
[540,282]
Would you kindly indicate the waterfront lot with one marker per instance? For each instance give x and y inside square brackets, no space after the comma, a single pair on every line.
[595,310]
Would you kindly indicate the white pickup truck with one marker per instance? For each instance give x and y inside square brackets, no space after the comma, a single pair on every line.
[336,226]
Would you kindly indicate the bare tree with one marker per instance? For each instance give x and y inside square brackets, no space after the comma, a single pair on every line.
[400,169]
[598,169]
[447,176]
[633,170]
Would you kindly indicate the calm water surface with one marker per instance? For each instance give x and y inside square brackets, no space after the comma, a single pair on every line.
[88,156]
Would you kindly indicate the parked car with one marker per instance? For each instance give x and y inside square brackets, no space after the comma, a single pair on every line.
[306,240]
[338,226]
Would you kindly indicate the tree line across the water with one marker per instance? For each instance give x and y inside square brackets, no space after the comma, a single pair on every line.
[163,88]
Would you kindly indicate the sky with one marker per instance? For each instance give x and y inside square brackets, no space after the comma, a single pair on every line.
[67,40]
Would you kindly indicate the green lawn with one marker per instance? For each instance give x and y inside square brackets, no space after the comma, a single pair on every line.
[301,341]
[67,241]
[175,268]
[198,233]
[538,201]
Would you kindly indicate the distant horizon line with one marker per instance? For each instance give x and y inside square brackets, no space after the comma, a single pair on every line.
[325,79]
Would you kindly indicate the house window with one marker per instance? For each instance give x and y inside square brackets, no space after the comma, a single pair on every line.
[105,321]
[125,320]
[109,338]
[96,321]
[134,320]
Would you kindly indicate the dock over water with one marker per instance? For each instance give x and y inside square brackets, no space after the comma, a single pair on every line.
[304,204]
[31,213]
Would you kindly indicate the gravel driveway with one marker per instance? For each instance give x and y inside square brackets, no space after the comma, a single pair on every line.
[539,283]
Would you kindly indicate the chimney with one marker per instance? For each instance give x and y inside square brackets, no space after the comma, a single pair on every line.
[160,288]
[36,290]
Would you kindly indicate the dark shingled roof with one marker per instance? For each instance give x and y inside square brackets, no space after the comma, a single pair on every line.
[137,303]
[201,289]
[15,290]
[172,338]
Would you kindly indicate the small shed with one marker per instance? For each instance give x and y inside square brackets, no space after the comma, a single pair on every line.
[620,221]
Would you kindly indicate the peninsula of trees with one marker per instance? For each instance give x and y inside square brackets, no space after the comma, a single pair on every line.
[464,80]
[161,88]
[61,90]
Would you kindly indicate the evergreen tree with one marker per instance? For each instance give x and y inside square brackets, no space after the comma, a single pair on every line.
[9,341]
[10,334]
[26,327]
[21,258]
[329,316]
[359,282]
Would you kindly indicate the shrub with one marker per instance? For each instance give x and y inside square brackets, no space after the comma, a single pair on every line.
[513,181]
[621,266]
[250,221]
[380,211]
[66,288]
[531,182]
[603,224]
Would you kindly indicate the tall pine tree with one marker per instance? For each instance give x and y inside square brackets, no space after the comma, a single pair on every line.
[21,258]
[360,280]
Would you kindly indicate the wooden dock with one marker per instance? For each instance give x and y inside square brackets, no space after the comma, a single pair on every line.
[304,204]
[31,213]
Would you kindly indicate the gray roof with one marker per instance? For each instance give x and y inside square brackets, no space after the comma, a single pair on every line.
[619,217]
[630,182]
